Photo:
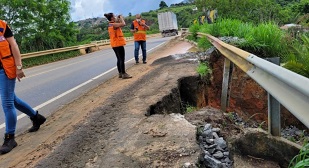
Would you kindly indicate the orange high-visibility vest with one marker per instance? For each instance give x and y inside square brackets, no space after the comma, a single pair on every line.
[7,59]
[116,36]
[140,35]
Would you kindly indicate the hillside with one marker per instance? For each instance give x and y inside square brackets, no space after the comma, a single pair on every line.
[94,29]
[90,22]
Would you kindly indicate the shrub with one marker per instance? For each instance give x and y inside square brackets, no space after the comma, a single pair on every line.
[203,69]
[298,60]
[302,159]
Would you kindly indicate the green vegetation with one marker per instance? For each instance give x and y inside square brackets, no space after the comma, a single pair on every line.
[264,40]
[298,60]
[30,62]
[254,21]
[302,159]
[203,69]
[257,11]
[39,24]
[256,24]
[262,124]
[190,109]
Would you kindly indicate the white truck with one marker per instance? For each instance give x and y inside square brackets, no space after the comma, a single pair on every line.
[168,24]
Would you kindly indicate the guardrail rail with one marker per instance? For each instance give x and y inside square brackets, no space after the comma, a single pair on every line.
[82,48]
[288,88]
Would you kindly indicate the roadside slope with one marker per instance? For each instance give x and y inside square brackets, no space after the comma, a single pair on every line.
[71,118]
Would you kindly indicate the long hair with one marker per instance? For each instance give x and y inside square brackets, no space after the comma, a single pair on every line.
[109,16]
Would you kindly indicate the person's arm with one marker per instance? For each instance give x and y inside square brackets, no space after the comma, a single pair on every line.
[121,24]
[17,57]
[132,29]
[145,26]
[15,52]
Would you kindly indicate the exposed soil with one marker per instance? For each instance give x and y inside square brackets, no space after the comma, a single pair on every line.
[107,126]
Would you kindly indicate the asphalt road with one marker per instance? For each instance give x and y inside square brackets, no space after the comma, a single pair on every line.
[49,87]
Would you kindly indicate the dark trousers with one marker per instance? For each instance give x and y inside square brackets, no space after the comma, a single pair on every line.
[120,54]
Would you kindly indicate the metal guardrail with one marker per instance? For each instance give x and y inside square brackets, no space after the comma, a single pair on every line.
[47,52]
[289,88]
[66,49]
[79,47]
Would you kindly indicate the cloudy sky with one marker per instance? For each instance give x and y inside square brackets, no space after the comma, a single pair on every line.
[83,9]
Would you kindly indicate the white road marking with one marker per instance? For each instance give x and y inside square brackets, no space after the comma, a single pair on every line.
[73,89]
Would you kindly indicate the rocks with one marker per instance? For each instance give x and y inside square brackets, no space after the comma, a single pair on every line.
[195,56]
[232,40]
[215,151]
[294,134]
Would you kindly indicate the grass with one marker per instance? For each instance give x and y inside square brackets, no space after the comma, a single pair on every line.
[203,69]
[262,124]
[298,60]
[302,159]
[265,40]
[190,109]
[35,61]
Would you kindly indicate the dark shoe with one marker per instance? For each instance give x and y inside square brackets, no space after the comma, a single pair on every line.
[37,121]
[137,62]
[144,62]
[126,76]
[120,75]
[8,144]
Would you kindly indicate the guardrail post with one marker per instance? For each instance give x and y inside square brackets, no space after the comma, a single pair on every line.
[274,121]
[82,50]
[225,84]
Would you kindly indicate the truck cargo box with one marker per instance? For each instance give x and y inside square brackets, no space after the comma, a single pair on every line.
[167,23]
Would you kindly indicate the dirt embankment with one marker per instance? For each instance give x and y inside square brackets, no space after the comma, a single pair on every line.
[107,126]
[97,127]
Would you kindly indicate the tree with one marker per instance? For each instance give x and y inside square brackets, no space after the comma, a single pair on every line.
[246,10]
[39,24]
[162,5]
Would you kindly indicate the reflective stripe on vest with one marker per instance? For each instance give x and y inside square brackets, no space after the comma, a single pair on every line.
[7,59]
[140,35]
[116,36]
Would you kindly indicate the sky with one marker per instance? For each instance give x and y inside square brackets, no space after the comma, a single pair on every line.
[84,9]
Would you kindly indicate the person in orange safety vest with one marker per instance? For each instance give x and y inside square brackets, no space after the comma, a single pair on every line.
[139,28]
[10,69]
[117,41]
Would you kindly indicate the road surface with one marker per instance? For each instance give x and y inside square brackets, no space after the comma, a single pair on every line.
[48,87]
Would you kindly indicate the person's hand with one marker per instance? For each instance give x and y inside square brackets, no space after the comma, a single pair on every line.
[20,74]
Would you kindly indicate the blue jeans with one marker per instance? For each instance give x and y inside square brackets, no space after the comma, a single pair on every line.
[137,44]
[10,101]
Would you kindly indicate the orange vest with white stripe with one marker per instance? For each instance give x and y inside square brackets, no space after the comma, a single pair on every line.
[116,36]
[7,59]
[140,35]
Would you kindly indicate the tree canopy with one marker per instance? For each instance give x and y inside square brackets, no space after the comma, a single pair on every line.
[162,5]
[39,24]
[257,11]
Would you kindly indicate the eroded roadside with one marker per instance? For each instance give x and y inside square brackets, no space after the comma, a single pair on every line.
[65,129]
[118,134]
[107,126]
